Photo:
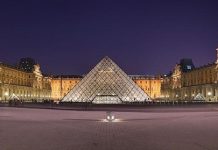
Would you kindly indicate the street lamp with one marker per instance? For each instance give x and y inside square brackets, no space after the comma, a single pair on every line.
[110,117]
[6,95]
[209,94]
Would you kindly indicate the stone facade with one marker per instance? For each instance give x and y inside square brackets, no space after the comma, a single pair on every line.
[62,84]
[187,85]
[150,85]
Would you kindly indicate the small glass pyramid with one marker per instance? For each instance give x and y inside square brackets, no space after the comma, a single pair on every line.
[199,96]
[106,83]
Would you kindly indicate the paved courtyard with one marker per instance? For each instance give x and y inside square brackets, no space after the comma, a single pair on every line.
[44,129]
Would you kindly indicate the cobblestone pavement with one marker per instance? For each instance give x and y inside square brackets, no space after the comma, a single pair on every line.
[44,129]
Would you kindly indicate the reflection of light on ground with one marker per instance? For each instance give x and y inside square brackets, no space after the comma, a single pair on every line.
[115,120]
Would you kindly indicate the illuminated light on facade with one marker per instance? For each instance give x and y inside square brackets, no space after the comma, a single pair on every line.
[106,83]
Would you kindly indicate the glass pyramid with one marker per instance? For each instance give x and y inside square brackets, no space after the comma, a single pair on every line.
[106,83]
[199,96]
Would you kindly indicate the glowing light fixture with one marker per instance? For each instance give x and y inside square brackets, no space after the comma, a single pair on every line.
[209,93]
[6,94]
[110,117]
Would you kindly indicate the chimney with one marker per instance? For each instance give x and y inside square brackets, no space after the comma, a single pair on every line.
[217,55]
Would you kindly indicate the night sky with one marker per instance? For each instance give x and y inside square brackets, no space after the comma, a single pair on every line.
[142,37]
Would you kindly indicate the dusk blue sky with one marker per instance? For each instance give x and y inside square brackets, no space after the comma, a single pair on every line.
[142,37]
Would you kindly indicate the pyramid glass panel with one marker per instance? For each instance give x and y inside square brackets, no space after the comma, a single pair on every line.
[106,83]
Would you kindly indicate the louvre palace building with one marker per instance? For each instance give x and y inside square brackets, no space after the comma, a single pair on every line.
[187,82]
[108,83]
[23,81]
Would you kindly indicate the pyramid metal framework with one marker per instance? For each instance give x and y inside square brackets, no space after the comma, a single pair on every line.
[199,96]
[106,83]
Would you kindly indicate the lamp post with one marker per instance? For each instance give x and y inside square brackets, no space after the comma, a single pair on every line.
[193,96]
[209,95]
[6,94]
[109,116]
[186,96]
[177,96]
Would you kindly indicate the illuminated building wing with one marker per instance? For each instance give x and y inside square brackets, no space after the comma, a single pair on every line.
[106,83]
